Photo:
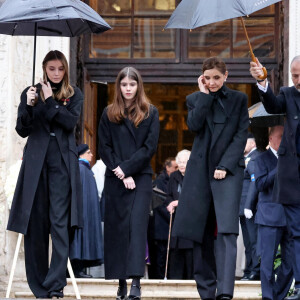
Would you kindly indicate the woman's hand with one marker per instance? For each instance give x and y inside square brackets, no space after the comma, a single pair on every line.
[220,174]
[46,87]
[171,206]
[119,173]
[202,85]
[31,96]
[256,71]
[129,183]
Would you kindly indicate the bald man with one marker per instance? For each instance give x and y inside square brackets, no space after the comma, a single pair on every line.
[287,182]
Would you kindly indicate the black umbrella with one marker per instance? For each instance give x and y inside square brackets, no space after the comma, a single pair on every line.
[260,118]
[191,14]
[66,18]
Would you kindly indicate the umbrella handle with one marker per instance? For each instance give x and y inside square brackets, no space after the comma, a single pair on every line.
[253,58]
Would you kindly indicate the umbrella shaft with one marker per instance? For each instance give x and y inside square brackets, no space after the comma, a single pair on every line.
[34,52]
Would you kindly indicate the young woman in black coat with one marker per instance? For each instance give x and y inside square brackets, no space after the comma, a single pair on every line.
[181,250]
[128,136]
[48,196]
[213,180]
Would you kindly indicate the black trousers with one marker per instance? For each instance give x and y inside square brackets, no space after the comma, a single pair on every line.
[49,214]
[215,262]
[249,230]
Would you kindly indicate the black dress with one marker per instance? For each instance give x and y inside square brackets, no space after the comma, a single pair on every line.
[127,211]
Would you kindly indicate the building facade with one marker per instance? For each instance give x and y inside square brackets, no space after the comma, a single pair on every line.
[169,61]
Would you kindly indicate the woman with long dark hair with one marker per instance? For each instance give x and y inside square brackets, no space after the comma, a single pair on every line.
[48,196]
[128,136]
[213,180]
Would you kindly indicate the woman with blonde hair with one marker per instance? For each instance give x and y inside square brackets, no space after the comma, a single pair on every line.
[48,196]
[128,136]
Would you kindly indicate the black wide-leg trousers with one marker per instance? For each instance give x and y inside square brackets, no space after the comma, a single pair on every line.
[49,214]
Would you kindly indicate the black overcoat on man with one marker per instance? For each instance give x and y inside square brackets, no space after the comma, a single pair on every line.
[174,190]
[287,185]
[34,123]
[220,141]
[127,211]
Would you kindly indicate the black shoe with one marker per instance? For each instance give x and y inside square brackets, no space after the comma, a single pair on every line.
[121,297]
[245,278]
[224,297]
[295,295]
[82,275]
[135,297]
[57,294]
[254,277]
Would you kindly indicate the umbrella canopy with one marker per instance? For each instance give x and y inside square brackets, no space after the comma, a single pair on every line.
[53,18]
[260,118]
[66,18]
[191,14]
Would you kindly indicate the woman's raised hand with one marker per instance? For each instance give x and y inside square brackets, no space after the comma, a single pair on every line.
[31,96]
[119,173]
[129,183]
[202,85]
[46,87]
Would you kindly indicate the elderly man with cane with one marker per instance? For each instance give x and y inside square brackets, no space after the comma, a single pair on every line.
[287,181]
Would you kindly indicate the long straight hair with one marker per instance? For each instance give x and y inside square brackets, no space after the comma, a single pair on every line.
[66,91]
[138,110]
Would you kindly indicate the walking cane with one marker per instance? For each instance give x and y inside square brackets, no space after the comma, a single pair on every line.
[169,237]
[13,267]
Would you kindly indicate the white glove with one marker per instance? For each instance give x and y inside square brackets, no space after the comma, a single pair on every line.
[248,213]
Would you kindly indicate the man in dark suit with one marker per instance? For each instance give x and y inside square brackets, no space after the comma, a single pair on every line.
[249,228]
[287,182]
[271,222]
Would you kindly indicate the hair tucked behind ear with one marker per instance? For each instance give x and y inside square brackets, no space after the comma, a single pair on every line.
[139,109]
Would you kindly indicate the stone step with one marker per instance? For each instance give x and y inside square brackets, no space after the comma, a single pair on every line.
[151,290]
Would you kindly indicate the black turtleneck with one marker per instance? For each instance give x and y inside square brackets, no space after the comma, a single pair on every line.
[55,86]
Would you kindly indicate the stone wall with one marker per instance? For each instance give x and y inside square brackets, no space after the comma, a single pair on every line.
[16,56]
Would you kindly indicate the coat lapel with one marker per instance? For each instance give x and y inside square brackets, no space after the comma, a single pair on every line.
[129,126]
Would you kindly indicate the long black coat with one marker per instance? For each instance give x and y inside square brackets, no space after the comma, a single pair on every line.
[34,123]
[87,243]
[287,183]
[220,141]
[174,190]
[127,211]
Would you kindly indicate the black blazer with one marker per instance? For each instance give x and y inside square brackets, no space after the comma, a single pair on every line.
[249,191]
[287,184]
[268,212]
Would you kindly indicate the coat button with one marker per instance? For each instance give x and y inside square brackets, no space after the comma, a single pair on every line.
[56,106]
[296,117]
